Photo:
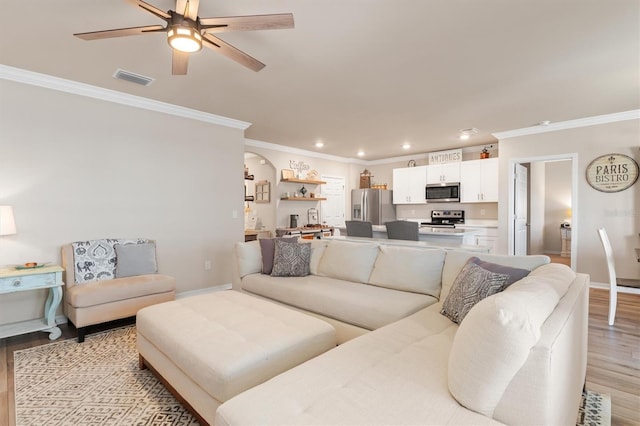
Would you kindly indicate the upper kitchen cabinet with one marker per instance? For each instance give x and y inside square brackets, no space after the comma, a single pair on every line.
[479,181]
[443,173]
[409,185]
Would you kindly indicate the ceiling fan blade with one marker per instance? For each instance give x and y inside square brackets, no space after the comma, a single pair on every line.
[214,43]
[188,8]
[180,62]
[150,8]
[247,23]
[120,32]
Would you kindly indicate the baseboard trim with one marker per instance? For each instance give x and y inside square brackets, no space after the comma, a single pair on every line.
[205,290]
[603,286]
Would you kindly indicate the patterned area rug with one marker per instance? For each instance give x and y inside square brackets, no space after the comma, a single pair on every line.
[595,409]
[97,382]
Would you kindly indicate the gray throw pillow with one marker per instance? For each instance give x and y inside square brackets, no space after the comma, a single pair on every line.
[291,259]
[268,247]
[515,274]
[472,284]
[135,259]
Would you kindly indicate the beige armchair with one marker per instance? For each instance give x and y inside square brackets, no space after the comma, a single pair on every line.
[93,295]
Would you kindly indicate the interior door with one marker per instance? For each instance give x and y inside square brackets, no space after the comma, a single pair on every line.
[520,217]
[332,210]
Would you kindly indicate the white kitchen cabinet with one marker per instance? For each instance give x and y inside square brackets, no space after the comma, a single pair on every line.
[443,173]
[409,185]
[479,181]
[484,236]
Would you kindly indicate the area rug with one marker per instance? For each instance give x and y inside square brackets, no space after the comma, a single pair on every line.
[97,382]
[595,410]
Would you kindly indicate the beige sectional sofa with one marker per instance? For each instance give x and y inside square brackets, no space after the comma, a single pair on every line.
[519,357]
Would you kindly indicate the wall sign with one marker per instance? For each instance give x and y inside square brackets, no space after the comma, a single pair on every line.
[612,172]
[440,157]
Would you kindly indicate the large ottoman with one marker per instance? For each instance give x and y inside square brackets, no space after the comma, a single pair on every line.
[209,348]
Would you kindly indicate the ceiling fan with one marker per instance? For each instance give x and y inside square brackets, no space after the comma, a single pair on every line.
[187,32]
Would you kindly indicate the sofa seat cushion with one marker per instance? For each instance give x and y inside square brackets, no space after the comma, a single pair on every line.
[107,291]
[395,375]
[362,305]
[228,341]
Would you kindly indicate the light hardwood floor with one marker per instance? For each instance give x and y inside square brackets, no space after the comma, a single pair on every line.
[613,362]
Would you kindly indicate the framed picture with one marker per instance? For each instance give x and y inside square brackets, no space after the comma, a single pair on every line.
[288,174]
[612,173]
[263,191]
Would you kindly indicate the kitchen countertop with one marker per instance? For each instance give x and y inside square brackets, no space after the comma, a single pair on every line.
[429,244]
[427,230]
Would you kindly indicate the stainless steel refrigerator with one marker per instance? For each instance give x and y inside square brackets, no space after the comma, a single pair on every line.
[372,205]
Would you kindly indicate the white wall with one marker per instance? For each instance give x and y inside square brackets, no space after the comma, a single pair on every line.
[265,213]
[557,203]
[537,189]
[78,168]
[618,212]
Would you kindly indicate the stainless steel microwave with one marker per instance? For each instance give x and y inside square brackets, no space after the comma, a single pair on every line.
[443,193]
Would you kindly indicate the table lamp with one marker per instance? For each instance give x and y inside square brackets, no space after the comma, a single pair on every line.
[7,222]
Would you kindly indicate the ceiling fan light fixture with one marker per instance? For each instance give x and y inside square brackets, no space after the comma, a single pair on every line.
[184,38]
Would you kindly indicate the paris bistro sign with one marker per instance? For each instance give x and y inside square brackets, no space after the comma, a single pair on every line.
[612,173]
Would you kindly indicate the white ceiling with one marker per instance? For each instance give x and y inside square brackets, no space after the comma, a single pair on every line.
[360,74]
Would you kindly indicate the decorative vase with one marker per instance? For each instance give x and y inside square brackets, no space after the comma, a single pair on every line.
[484,154]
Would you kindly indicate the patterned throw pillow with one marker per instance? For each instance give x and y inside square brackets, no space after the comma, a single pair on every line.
[95,260]
[472,284]
[268,248]
[291,259]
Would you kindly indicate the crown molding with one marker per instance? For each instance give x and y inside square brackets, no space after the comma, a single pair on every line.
[55,83]
[297,151]
[570,124]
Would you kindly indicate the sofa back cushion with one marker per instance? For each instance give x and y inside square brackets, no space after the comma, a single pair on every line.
[418,270]
[317,250]
[249,258]
[495,339]
[456,259]
[350,261]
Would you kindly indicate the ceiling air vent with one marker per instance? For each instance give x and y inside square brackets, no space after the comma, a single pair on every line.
[132,77]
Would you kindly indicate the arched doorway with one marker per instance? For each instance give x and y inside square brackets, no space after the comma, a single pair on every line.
[260,180]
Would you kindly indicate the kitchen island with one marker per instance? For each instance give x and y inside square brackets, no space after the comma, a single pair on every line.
[446,236]
[447,245]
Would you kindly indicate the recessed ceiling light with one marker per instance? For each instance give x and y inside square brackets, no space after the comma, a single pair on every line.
[544,123]
[406,145]
[465,134]
[360,153]
[319,144]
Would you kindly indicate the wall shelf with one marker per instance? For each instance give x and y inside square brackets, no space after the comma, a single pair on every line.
[307,181]
[303,199]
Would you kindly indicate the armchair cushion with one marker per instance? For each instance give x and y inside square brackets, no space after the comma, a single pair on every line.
[135,259]
[95,260]
[96,293]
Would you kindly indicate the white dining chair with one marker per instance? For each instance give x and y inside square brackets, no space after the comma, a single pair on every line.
[613,282]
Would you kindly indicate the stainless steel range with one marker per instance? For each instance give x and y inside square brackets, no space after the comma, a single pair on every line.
[445,219]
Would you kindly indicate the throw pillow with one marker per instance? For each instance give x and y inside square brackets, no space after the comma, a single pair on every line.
[135,259]
[472,284]
[267,248]
[95,260]
[515,274]
[291,259]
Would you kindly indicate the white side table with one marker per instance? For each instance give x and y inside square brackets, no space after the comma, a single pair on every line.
[13,280]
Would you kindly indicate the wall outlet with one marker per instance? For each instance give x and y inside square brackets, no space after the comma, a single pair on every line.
[234,214]
[482,212]
[207,265]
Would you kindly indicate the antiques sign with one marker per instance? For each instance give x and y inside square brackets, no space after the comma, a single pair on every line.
[612,173]
[440,157]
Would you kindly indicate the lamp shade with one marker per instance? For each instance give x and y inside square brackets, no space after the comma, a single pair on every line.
[7,223]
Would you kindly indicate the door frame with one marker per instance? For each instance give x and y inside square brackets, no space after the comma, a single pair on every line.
[574,199]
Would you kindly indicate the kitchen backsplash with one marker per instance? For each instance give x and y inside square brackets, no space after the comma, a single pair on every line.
[471,211]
